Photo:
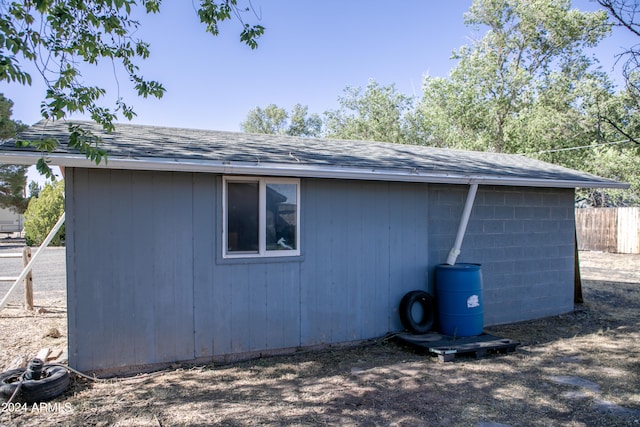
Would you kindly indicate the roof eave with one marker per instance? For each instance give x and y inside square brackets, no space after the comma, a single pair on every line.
[299,170]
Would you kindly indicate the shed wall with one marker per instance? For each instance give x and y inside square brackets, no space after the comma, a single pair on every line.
[524,239]
[147,283]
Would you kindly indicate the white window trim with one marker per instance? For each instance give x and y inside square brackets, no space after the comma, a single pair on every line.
[262,220]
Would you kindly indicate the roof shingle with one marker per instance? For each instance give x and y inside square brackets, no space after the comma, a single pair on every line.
[149,147]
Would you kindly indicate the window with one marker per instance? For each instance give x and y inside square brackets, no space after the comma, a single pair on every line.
[261,217]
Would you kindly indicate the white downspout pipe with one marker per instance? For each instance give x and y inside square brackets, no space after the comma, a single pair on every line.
[466,213]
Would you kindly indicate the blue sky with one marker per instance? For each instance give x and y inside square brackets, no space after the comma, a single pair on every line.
[310,52]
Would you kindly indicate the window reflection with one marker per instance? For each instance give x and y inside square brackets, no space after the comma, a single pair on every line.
[243,208]
[281,216]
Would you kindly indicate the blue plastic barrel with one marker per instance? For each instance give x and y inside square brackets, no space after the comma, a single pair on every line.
[459,299]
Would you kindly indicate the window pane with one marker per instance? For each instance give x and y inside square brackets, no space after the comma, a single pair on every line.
[282,211]
[242,216]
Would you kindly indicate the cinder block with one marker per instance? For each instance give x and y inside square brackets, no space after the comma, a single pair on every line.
[493,226]
[523,212]
[514,198]
[492,198]
[534,197]
[552,199]
[475,226]
[483,212]
[560,213]
[542,212]
[451,196]
[514,226]
[504,212]
[524,240]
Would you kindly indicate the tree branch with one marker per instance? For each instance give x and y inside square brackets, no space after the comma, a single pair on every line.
[616,127]
[629,24]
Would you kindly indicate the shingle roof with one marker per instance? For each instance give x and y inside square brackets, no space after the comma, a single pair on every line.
[162,148]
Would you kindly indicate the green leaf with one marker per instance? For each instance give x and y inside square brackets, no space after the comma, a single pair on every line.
[42,166]
[57,35]
[47,144]
[21,143]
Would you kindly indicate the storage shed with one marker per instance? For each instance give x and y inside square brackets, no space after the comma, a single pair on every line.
[193,245]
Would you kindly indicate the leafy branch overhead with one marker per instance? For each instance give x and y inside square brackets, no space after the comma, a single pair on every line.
[12,177]
[626,14]
[56,37]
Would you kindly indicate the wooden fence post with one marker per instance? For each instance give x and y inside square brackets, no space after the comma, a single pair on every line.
[577,279]
[28,280]
[29,266]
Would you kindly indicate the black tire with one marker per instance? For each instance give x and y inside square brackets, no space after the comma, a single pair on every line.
[9,381]
[427,302]
[54,382]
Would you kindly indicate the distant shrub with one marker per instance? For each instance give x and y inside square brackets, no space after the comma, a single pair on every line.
[42,214]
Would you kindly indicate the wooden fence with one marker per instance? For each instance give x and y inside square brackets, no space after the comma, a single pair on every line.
[609,229]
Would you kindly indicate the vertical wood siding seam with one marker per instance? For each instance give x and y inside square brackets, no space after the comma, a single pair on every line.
[70,229]
[390,303]
[304,236]
[193,266]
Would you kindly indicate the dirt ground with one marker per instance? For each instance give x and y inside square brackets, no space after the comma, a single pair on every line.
[578,369]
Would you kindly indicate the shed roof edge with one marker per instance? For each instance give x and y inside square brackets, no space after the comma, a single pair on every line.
[302,171]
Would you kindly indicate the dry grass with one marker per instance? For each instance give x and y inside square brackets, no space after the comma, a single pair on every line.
[579,369]
[24,333]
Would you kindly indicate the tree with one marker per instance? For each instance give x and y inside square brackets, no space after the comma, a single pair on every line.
[13,178]
[616,149]
[527,87]
[626,13]
[43,213]
[562,117]
[34,189]
[375,113]
[303,124]
[58,36]
[270,120]
[8,127]
[276,120]
[529,47]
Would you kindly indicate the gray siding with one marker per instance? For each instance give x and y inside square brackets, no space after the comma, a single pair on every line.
[130,275]
[364,246]
[148,284]
[524,239]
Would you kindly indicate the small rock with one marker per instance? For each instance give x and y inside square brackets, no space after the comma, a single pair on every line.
[571,359]
[604,406]
[357,371]
[18,362]
[52,333]
[577,382]
[574,395]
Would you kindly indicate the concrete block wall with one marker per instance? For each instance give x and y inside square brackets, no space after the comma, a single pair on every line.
[524,239]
